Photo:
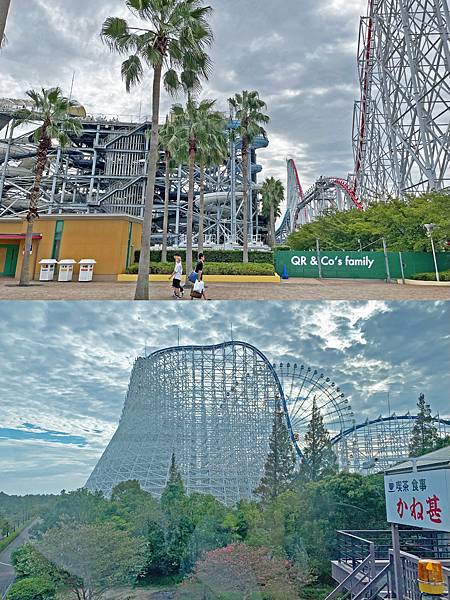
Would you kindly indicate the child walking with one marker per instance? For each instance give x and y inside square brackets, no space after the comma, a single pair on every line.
[176,276]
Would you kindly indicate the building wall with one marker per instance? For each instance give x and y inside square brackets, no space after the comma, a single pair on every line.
[108,240]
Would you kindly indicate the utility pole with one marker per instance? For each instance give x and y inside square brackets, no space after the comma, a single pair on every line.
[386,259]
[319,263]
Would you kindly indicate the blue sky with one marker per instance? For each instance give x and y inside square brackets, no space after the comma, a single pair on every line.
[301,56]
[66,366]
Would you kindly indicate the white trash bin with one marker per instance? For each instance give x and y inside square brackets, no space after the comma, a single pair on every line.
[48,267]
[66,269]
[87,269]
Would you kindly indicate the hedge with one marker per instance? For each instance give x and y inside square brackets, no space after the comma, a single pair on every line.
[213,269]
[212,256]
[5,542]
[444,276]
[32,588]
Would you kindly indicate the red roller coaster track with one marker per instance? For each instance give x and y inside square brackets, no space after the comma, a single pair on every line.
[341,183]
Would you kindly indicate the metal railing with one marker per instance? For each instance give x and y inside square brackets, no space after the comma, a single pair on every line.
[425,544]
[373,565]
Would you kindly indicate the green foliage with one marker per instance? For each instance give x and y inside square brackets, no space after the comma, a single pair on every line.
[272,197]
[319,460]
[443,276]
[79,506]
[424,435]
[213,256]
[29,562]
[248,109]
[4,543]
[442,443]
[171,36]
[20,509]
[316,592]
[279,469]
[400,222]
[213,269]
[54,110]
[98,556]
[343,501]
[33,588]
[198,128]
[5,527]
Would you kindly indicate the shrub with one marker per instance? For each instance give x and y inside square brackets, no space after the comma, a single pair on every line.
[212,256]
[32,588]
[11,537]
[240,571]
[444,276]
[283,248]
[213,269]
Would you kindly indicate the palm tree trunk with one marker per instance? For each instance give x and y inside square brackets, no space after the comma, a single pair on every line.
[190,215]
[44,146]
[245,198]
[4,9]
[142,287]
[201,222]
[166,209]
[272,225]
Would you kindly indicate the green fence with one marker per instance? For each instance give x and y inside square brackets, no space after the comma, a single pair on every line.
[358,265]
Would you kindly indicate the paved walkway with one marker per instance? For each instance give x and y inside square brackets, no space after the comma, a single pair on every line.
[294,289]
[7,572]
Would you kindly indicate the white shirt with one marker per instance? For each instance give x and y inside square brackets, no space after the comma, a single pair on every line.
[178,270]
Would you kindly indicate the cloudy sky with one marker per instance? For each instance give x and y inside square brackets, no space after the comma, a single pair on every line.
[300,55]
[66,366]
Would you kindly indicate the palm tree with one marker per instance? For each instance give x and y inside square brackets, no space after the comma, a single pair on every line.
[248,108]
[197,128]
[54,110]
[4,9]
[173,46]
[273,195]
[168,143]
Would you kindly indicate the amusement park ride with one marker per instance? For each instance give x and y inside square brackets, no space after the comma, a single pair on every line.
[213,406]
[400,140]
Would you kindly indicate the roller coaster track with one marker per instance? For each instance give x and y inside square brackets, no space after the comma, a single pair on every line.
[327,193]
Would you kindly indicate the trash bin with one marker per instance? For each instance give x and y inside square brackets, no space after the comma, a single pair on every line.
[87,269]
[48,266]
[66,269]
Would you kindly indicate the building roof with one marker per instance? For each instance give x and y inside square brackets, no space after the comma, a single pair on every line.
[439,459]
[72,217]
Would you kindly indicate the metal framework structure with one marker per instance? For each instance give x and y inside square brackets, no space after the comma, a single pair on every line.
[212,406]
[401,127]
[104,171]
[301,387]
[376,445]
[328,193]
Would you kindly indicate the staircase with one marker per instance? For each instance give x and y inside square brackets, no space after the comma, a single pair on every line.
[365,567]
[115,137]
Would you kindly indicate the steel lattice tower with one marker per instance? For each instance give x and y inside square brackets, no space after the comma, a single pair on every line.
[401,123]
[212,406]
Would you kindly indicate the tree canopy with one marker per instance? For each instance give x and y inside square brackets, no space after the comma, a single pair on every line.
[400,222]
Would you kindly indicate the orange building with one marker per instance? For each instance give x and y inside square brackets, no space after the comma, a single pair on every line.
[109,239]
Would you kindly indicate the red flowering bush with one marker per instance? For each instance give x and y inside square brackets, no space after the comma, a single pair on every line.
[247,573]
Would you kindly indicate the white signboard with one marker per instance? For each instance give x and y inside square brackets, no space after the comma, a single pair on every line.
[419,499]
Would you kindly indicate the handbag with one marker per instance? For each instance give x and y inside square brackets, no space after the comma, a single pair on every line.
[199,287]
[193,277]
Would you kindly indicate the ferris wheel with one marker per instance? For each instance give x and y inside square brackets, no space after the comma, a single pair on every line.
[301,386]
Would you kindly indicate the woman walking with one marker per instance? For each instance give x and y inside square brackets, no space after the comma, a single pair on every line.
[176,276]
